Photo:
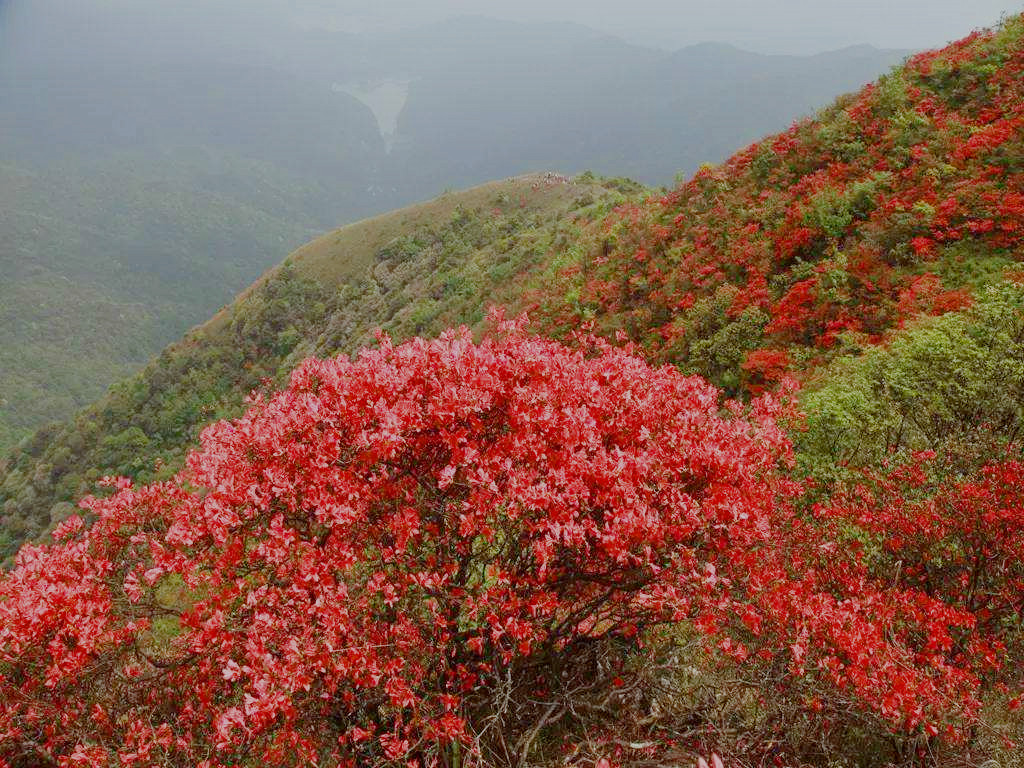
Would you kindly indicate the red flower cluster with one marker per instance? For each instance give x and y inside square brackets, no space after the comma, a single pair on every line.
[957,536]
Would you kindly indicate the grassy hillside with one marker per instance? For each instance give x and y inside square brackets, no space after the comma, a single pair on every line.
[414,271]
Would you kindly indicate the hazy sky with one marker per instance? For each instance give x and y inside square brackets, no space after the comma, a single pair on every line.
[796,26]
[766,25]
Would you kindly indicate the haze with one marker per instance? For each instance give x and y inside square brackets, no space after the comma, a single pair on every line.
[794,26]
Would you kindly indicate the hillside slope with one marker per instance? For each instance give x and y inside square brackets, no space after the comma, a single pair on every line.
[413,271]
[106,261]
[898,201]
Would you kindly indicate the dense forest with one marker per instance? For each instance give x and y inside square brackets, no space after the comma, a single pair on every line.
[570,471]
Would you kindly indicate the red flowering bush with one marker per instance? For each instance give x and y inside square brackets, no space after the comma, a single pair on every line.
[367,551]
[420,556]
[956,534]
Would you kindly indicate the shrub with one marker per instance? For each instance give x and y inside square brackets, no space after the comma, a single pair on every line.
[375,548]
[955,379]
[427,555]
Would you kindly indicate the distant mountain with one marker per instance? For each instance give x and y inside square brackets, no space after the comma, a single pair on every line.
[591,101]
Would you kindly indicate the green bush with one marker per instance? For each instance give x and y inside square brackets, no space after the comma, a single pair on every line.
[958,377]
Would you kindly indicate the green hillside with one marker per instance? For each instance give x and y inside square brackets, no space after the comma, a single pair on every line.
[105,260]
[414,271]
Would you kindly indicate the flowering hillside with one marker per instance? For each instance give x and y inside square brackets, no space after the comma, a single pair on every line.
[754,492]
[898,201]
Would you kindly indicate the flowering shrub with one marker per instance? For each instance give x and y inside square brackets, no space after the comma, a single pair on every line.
[957,536]
[370,566]
[373,545]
